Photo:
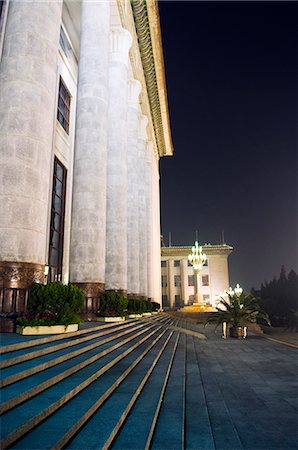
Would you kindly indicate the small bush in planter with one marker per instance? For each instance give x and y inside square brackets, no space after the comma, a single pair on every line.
[136,306]
[155,306]
[53,304]
[112,305]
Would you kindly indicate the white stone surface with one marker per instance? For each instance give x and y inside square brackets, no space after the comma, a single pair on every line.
[27,114]
[149,218]
[133,284]
[143,243]
[88,236]
[116,218]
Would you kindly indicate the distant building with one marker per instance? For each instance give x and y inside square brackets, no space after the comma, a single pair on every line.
[178,278]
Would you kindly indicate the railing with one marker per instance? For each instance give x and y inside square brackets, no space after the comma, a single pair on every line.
[91,305]
[14,300]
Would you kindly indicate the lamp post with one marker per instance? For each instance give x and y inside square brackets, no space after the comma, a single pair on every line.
[197,259]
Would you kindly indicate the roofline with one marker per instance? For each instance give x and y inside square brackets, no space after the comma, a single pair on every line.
[147,24]
[186,250]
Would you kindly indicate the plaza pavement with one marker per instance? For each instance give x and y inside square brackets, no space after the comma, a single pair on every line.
[220,394]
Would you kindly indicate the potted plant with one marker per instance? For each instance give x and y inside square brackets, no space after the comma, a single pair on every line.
[52,308]
[237,310]
[113,307]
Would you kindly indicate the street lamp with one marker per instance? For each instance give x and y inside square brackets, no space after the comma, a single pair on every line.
[197,259]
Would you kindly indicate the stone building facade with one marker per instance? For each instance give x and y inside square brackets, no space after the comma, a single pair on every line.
[178,277]
[84,121]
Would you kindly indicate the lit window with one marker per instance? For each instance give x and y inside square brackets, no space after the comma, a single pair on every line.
[165,301]
[164,281]
[57,222]
[177,280]
[205,280]
[176,263]
[191,280]
[163,263]
[206,299]
[177,301]
[63,106]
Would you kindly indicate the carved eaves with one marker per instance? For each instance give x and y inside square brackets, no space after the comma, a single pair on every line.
[147,24]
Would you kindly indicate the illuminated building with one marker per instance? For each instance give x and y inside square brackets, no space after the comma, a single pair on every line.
[178,278]
[84,121]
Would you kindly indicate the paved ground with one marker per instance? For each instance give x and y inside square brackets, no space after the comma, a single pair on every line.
[238,394]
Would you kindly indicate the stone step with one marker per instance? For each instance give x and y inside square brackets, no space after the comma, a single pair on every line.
[61,394]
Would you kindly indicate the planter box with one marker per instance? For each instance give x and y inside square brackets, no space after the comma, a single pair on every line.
[53,329]
[134,316]
[110,319]
[148,314]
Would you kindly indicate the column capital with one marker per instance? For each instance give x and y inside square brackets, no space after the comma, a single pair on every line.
[134,90]
[120,44]
[142,122]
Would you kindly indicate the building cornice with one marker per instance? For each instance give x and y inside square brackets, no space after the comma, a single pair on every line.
[186,250]
[147,24]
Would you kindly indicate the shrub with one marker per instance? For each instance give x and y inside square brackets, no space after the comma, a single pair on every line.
[53,303]
[155,306]
[112,304]
[140,306]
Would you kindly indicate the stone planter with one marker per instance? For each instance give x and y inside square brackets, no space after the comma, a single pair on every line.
[53,329]
[110,319]
[147,314]
[236,332]
[134,316]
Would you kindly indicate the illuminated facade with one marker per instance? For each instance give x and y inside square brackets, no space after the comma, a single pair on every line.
[178,277]
[84,122]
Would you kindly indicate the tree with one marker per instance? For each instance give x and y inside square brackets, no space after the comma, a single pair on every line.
[279,298]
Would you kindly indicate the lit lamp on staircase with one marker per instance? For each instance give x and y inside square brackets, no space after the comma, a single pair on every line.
[197,259]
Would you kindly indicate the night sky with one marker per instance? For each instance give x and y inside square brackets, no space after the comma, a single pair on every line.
[231,81]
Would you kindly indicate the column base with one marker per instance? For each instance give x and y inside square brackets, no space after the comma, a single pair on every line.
[199,300]
[16,279]
[93,292]
[118,291]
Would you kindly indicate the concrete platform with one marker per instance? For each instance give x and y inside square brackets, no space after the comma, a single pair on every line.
[221,394]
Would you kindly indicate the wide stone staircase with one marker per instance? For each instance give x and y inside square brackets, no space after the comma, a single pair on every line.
[119,386]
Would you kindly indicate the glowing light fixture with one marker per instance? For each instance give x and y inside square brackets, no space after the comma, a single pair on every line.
[197,259]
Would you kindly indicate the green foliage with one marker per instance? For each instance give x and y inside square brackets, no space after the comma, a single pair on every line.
[238,311]
[280,298]
[112,305]
[155,306]
[138,306]
[53,303]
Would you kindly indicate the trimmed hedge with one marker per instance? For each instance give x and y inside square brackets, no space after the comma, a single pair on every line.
[140,306]
[53,303]
[112,304]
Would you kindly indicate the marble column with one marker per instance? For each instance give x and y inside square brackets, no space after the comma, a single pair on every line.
[133,282]
[184,281]
[149,220]
[171,283]
[88,234]
[116,241]
[156,229]
[28,80]
[143,244]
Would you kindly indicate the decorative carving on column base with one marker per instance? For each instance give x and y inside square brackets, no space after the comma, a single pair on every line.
[20,275]
[118,291]
[134,296]
[16,279]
